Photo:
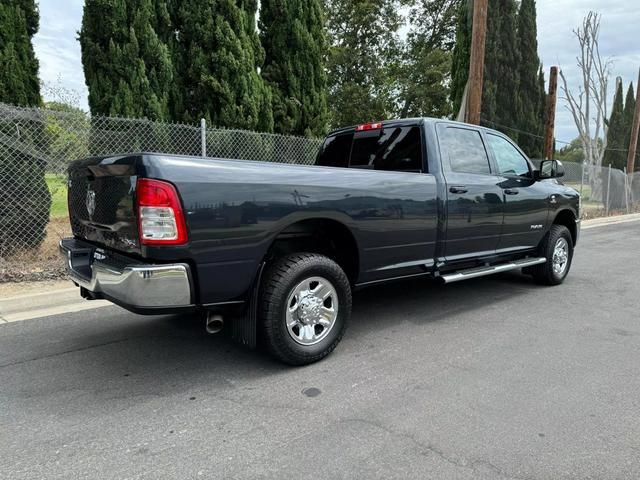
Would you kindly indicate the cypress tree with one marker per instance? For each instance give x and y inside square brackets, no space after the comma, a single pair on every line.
[127,65]
[19,84]
[500,95]
[629,111]
[24,197]
[461,54]
[542,109]
[216,58]
[618,133]
[528,92]
[292,34]
[513,96]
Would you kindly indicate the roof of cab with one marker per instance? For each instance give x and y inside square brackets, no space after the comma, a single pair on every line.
[405,122]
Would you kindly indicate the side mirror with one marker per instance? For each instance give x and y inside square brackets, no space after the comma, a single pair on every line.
[550,169]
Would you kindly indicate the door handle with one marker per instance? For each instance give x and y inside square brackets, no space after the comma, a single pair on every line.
[511,191]
[458,189]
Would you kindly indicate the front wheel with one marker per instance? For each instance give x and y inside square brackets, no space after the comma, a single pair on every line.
[305,307]
[557,248]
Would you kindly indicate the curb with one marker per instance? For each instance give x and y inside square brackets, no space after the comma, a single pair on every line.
[603,222]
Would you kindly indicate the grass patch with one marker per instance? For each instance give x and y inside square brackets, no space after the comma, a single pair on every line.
[58,187]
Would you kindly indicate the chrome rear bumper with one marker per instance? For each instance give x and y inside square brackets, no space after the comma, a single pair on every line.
[129,283]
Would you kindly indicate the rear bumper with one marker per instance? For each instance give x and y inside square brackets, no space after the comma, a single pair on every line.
[136,286]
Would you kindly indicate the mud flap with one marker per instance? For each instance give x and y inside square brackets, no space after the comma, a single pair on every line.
[244,329]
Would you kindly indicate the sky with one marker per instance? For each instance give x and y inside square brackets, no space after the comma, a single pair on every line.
[58,50]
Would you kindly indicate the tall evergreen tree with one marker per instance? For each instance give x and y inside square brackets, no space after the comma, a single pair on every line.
[528,92]
[629,111]
[127,65]
[618,133]
[217,56]
[461,54]
[501,86]
[543,108]
[292,34]
[19,84]
[364,48]
[24,197]
[513,92]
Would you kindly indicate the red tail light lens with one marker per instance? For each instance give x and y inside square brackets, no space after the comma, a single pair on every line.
[369,126]
[160,216]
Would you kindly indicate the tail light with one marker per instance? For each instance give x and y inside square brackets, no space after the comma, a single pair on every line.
[369,126]
[160,216]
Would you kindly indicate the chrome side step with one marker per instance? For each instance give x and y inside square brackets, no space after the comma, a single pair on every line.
[484,271]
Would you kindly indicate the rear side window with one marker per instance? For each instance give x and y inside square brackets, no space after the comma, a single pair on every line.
[335,151]
[395,149]
[465,150]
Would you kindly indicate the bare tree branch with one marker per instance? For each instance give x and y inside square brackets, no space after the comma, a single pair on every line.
[589,106]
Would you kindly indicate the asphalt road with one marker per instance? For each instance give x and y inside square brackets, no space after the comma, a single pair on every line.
[495,378]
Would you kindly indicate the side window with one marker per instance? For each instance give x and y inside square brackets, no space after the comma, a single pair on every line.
[335,151]
[465,150]
[397,149]
[510,161]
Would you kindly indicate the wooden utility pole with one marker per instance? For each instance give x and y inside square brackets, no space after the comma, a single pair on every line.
[476,66]
[550,128]
[633,145]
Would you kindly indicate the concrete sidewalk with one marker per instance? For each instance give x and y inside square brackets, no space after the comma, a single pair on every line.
[63,297]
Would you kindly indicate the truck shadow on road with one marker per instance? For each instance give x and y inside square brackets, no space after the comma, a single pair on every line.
[109,353]
[425,301]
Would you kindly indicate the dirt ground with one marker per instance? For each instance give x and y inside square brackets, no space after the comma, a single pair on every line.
[42,264]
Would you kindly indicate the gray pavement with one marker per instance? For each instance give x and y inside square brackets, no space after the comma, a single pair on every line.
[495,378]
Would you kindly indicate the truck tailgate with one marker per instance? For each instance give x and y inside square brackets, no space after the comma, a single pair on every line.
[102,202]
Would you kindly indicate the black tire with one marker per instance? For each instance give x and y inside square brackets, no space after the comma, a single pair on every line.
[545,274]
[279,282]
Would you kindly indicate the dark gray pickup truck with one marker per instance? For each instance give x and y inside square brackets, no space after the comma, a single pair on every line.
[276,249]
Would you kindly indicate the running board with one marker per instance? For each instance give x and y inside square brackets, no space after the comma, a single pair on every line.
[483,271]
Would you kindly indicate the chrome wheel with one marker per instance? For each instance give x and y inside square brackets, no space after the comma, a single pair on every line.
[560,259]
[312,310]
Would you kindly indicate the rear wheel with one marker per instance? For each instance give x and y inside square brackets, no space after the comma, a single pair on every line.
[557,248]
[305,307]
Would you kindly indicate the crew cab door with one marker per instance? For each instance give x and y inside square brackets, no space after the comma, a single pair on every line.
[474,201]
[526,208]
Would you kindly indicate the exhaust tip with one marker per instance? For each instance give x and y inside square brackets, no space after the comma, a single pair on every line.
[214,324]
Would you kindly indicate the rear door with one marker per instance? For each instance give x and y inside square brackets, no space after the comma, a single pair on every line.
[526,201]
[475,202]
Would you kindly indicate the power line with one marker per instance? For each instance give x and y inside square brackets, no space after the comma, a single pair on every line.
[533,135]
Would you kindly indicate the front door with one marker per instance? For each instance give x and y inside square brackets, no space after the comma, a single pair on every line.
[526,209]
[475,204]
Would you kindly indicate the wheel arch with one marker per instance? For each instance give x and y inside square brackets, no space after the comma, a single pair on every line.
[567,218]
[323,235]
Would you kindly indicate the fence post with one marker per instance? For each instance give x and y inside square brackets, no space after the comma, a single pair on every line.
[626,190]
[203,136]
[606,208]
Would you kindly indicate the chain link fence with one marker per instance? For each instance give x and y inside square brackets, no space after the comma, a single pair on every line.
[37,146]
[605,191]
